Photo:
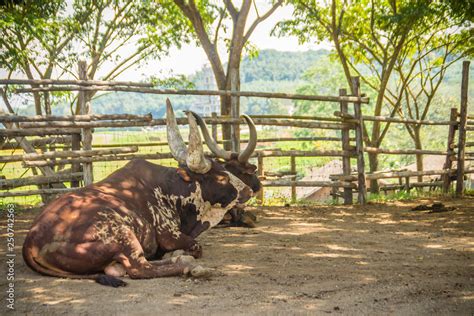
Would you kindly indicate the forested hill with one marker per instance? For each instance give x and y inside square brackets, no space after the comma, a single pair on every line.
[272,65]
[271,70]
[310,72]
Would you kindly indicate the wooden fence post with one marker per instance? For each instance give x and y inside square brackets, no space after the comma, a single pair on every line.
[346,146]
[75,167]
[362,189]
[462,129]
[214,126]
[85,108]
[450,151]
[293,178]
[261,175]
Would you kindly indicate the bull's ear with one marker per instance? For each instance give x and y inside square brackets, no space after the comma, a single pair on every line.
[183,174]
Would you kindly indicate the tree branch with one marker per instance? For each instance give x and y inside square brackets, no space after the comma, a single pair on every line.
[261,19]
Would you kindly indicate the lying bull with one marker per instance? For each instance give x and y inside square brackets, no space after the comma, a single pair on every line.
[135,215]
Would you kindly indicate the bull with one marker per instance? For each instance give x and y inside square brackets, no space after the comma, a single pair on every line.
[121,224]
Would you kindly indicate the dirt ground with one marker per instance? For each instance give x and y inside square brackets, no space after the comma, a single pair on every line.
[376,259]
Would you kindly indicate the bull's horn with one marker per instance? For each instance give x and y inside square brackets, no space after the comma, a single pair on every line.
[245,155]
[210,142]
[175,141]
[195,160]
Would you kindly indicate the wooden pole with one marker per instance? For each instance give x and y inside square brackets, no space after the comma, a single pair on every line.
[346,161]
[293,178]
[395,174]
[389,187]
[227,93]
[67,153]
[76,167]
[38,180]
[288,183]
[86,133]
[462,129]
[64,141]
[404,151]
[350,117]
[450,151]
[214,126]
[75,82]
[36,192]
[74,118]
[261,175]
[407,184]
[37,132]
[362,188]
[242,141]
[181,121]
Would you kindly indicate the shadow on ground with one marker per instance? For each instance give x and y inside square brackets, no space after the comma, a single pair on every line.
[375,259]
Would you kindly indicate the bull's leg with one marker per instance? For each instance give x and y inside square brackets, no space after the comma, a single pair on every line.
[133,260]
[169,242]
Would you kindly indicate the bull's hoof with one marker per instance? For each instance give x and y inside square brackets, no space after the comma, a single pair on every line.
[173,254]
[201,272]
[184,259]
[115,269]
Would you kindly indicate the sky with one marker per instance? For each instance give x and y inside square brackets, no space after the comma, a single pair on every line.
[191,58]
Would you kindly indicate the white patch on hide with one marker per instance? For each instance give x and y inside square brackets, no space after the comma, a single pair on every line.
[166,217]
[164,213]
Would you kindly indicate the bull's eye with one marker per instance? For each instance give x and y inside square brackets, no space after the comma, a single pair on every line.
[222,179]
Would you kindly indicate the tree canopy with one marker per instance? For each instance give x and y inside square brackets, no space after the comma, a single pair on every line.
[387,43]
[42,39]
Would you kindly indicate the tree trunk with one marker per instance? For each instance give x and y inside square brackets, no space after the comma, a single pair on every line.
[47,104]
[234,79]
[37,99]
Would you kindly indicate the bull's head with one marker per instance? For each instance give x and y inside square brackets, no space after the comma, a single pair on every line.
[218,185]
[236,163]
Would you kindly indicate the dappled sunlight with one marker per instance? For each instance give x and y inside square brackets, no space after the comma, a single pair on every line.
[183,299]
[411,234]
[468,297]
[436,246]
[341,213]
[382,219]
[239,245]
[362,263]
[293,232]
[331,255]
[232,269]
[341,248]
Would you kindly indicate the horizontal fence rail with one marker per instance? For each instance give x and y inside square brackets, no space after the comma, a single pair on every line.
[226,93]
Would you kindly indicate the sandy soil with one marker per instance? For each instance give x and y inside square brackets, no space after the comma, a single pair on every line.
[377,259]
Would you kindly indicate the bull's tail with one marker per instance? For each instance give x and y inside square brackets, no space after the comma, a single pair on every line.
[30,253]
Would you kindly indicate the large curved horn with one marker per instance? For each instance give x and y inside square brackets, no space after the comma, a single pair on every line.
[175,141]
[245,155]
[210,142]
[195,160]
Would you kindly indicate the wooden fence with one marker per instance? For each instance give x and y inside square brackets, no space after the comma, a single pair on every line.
[69,139]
